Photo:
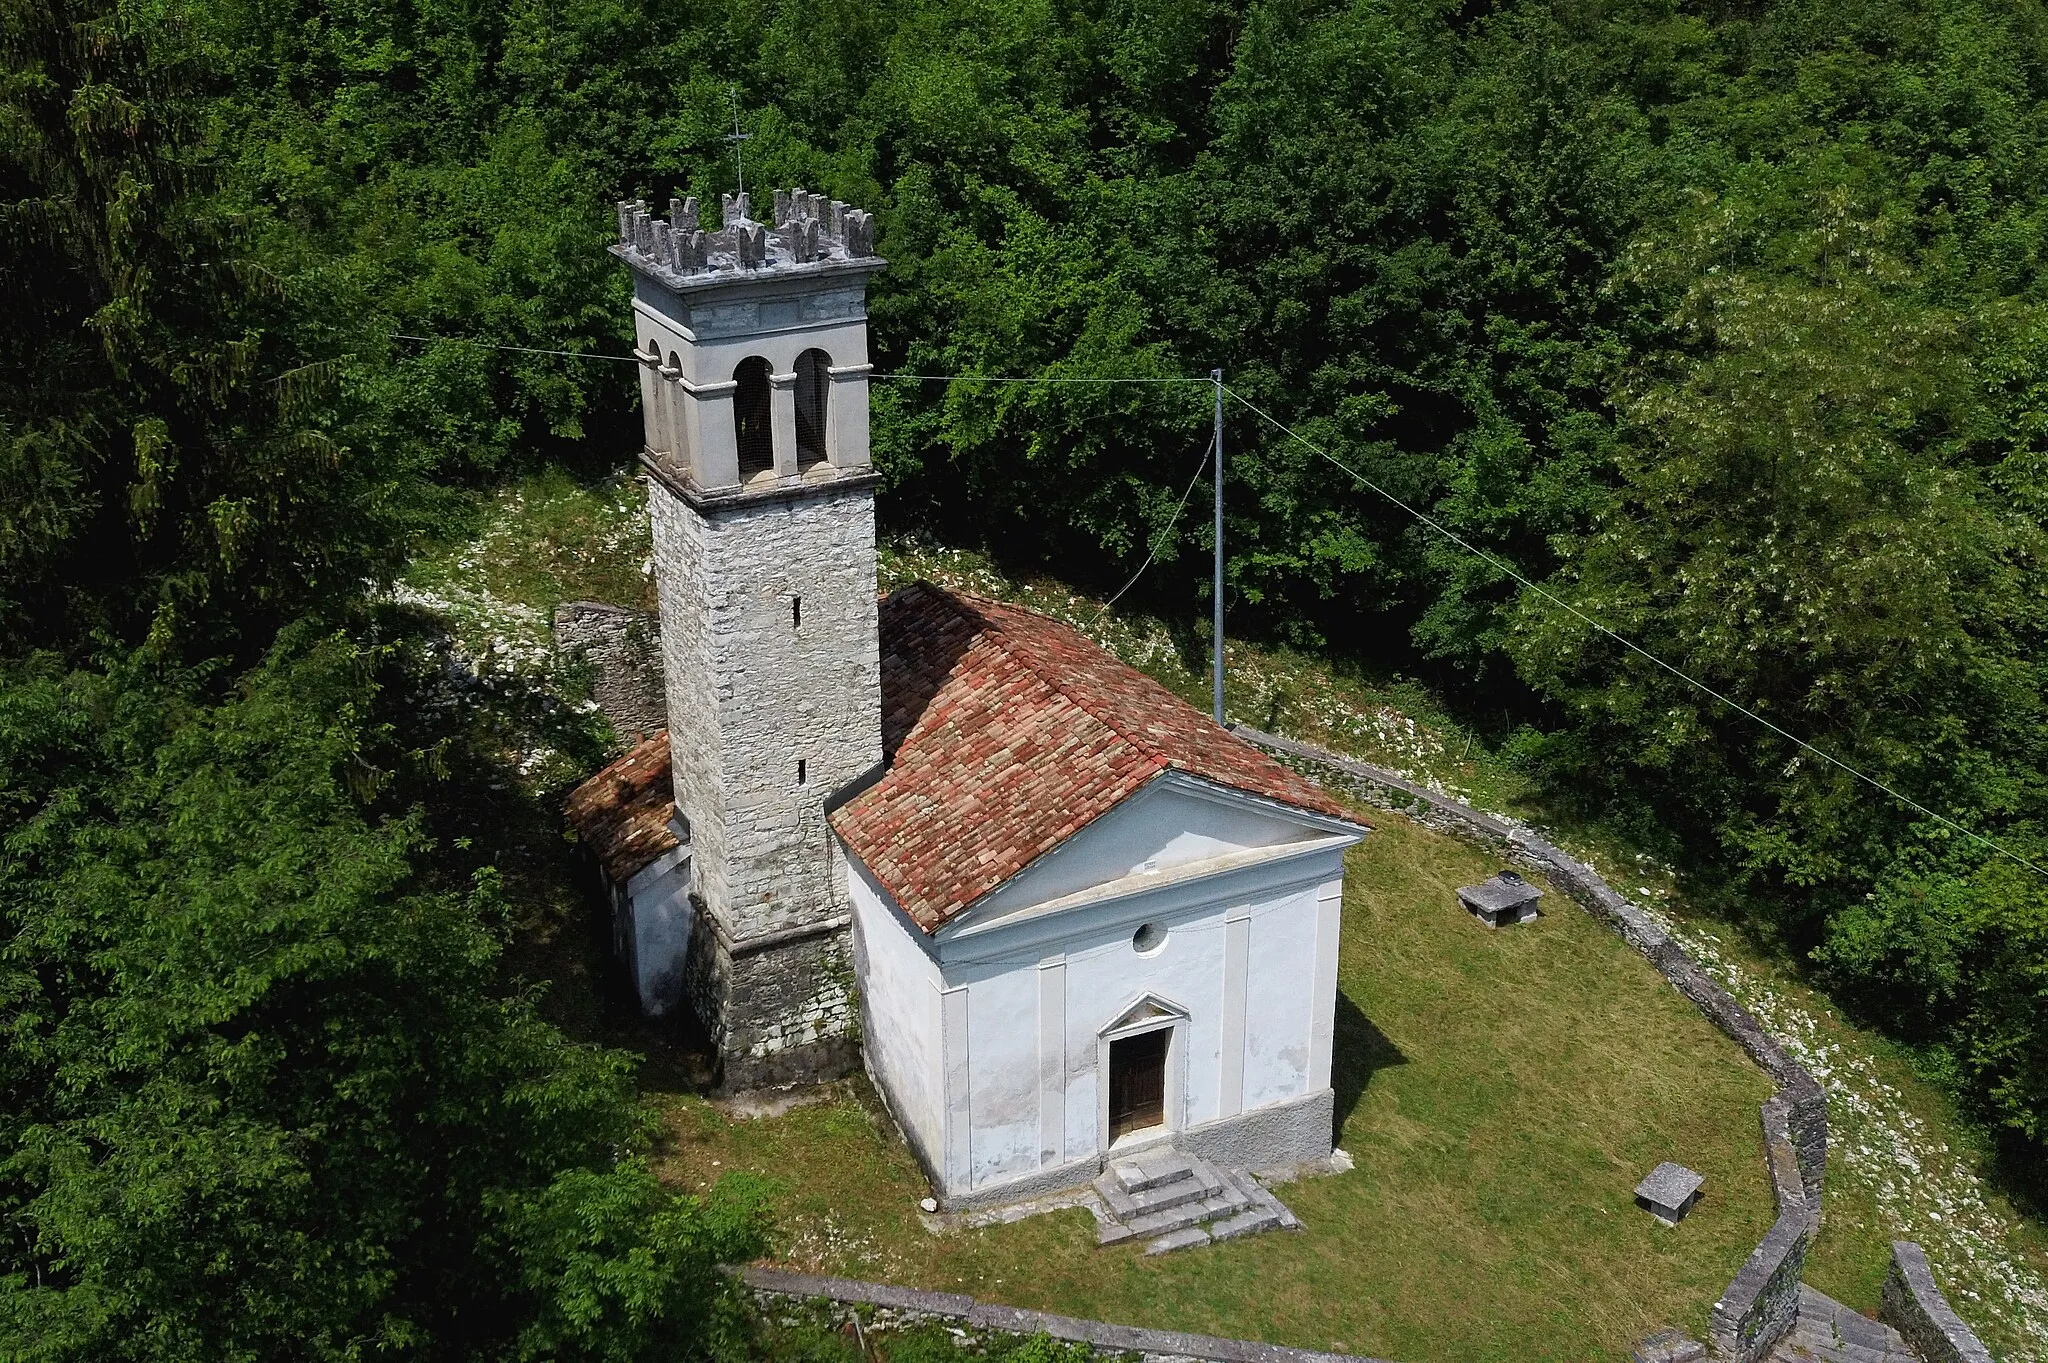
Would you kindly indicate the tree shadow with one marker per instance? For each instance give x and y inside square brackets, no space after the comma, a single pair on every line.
[1359,1051]
[923,634]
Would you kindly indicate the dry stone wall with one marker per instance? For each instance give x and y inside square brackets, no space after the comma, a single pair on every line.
[880,1306]
[1915,1308]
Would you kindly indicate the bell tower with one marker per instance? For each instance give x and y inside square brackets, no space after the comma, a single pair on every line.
[753,350]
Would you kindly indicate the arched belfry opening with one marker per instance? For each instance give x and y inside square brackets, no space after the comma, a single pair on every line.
[752,422]
[671,416]
[813,393]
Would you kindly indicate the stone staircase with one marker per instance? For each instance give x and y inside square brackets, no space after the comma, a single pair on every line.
[1829,1332]
[1178,1200]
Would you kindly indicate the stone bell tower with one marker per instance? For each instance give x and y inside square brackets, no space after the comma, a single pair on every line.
[753,351]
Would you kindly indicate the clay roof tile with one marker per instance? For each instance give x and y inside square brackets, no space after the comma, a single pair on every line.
[622,813]
[1005,733]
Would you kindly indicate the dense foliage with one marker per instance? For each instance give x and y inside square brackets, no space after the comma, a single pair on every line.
[1722,322]
[269,1091]
[264,1100]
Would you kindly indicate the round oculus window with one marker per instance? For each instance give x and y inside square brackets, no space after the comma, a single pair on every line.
[1149,938]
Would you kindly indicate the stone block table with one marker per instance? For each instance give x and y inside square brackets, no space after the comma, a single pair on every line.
[1669,1192]
[1500,900]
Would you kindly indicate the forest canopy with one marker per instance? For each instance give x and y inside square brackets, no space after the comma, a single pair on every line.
[1725,323]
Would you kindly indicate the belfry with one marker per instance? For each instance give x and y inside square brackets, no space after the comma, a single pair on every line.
[753,353]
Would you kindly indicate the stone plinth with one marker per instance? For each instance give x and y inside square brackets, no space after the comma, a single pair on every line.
[1501,900]
[1669,1192]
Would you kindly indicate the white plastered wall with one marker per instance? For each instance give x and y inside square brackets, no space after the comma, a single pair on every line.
[1011,1003]
[901,1025]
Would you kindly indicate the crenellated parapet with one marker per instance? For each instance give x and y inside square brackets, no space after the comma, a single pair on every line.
[808,229]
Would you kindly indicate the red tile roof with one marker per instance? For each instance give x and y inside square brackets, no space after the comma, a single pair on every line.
[622,813]
[1006,733]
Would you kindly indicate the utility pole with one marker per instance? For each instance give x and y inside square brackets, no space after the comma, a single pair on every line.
[1216,376]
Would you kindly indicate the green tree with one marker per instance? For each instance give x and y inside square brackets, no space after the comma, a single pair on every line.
[267,1094]
[172,454]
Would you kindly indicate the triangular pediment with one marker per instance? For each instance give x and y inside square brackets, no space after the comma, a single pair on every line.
[1150,1008]
[1177,826]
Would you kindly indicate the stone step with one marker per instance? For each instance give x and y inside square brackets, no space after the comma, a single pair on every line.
[1196,1184]
[1829,1332]
[1247,1222]
[1822,1346]
[1171,1218]
[1180,1239]
[1166,1196]
[1259,1197]
[1141,1172]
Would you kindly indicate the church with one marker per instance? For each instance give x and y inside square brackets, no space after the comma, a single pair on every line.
[1055,912]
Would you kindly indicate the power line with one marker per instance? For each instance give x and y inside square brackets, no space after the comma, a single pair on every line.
[994,378]
[1633,647]
[924,378]
[519,349]
[1419,515]
[1152,549]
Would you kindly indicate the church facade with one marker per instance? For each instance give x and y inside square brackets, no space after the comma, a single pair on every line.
[1055,911]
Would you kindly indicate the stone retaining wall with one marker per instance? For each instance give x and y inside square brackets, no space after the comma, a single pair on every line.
[1762,1303]
[901,1306]
[1914,1307]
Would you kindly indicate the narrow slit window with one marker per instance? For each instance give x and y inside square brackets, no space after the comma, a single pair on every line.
[796,612]
[799,771]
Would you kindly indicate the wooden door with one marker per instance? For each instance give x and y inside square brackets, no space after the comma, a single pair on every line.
[1137,1082]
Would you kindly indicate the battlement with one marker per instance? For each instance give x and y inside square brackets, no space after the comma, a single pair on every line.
[809,230]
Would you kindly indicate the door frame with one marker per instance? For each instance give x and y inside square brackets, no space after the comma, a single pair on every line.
[1147,1014]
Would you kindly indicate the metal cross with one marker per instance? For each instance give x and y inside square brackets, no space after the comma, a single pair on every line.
[736,137]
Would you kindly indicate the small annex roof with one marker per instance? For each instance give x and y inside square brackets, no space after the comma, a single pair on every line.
[1004,733]
[622,814]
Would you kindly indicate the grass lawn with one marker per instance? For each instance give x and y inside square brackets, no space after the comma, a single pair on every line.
[1501,1093]
[1902,1161]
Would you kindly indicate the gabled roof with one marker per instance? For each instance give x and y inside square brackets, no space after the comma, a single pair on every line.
[1004,734]
[622,813]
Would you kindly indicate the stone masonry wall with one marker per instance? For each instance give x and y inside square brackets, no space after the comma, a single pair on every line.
[881,1307]
[781,1014]
[1914,1306]
[791,1015]
[623,650]
[772,660]
[769,644]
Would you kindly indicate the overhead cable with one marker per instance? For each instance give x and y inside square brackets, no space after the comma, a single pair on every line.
[1633,647]
[1422,517]
[518,349]
[1152,548]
